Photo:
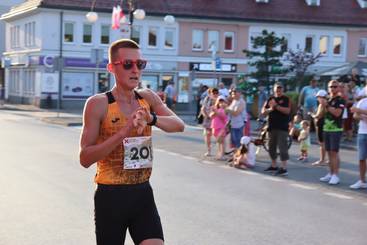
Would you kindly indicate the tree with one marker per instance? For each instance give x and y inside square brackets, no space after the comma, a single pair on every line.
[265,56]
[299,63]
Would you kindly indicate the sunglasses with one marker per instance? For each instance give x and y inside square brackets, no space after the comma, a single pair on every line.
[333,86]
[128,64]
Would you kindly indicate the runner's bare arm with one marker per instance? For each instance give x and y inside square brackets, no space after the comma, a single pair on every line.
[89,151]
[166,119]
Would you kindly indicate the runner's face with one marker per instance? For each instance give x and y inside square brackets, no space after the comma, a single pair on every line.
[127,78]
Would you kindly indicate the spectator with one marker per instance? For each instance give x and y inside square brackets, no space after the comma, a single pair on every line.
[278,109]
[304,139]
[319,122]
[307,99]
[237,116]
[206,108]
[351,96]
[223,90]
[360,113]
[296,126]
[218,124]
[199,101]
[334,107]
[161,94]
[262,97]
[170,94]
[245,155]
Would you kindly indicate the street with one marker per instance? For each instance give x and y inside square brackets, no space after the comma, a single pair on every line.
[47,197]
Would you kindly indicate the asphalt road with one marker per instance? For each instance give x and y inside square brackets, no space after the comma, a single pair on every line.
[46,197]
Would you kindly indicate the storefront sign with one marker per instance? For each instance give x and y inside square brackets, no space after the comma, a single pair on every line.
[209,67]
[83,62]
[50,83]
[77,85]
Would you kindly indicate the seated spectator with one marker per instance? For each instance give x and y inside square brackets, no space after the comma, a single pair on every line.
[245,155]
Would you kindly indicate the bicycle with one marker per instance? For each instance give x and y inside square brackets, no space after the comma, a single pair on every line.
[263,137]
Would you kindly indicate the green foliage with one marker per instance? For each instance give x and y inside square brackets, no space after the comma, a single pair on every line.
[266,56]
[247,88]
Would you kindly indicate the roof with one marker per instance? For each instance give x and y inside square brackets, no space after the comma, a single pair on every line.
[330,12]
[347,69]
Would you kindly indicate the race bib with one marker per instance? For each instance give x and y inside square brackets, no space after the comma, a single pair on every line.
[138,152]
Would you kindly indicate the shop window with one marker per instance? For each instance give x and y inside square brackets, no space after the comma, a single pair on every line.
[103,82]
[150,82]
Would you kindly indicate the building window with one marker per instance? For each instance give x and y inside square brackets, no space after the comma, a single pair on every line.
[105,34]
[323,45]
[69,32]
[213,40]
[14,86]
[29,34]
[309,45]
[197,39]
[152,38]
[169,38]
[87,33]
[228,41]
[362,51]
[15,36]
[135,34]
[29,82]
[337,45]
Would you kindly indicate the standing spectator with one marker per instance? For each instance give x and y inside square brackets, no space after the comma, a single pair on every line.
[278,108]
[161,94]
[304,139]
[362,92]
[170,94]
[360,113]
[351,96]
[199,100]
[307,99]
[333,129]
[223,90]
[218,124]
[237,116]
[206,108]
[319,123]
[262,97]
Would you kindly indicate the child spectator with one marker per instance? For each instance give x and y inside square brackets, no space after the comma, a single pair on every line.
[304,139]
[319,122]
[218,124]
[296,126]
[245,155]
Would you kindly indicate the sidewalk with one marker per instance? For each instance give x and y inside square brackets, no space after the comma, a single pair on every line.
[70,118]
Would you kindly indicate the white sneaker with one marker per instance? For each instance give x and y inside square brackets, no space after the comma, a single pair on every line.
[359,185]
[326,178]
[334,180]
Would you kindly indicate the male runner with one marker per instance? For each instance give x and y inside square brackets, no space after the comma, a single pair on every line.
[116,134]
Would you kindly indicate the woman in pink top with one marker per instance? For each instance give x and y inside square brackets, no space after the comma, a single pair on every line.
[218,124]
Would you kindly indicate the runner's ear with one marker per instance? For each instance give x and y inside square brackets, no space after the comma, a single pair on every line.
[110,67]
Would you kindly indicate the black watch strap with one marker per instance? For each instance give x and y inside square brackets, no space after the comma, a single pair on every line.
[154,121]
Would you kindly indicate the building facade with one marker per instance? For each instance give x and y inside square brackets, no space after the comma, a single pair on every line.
[55,58]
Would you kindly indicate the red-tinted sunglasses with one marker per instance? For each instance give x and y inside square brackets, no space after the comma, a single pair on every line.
[128,64]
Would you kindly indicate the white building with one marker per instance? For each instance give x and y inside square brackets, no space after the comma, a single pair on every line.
[38,35]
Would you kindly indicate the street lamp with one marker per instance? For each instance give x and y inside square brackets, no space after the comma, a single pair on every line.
[92,16]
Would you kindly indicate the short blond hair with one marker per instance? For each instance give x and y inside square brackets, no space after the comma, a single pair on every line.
[121,43]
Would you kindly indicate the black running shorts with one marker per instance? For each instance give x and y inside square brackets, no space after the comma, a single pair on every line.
[121,207]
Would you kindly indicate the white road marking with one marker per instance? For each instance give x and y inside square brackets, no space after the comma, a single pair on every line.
[249,172]
[190,158]
[224,166]
[305,187]
[337,195]
[173,154]
[275,179]
[208,162]
[159,150]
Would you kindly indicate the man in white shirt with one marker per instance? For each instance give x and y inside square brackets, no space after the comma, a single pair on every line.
[360,113]
[223,90]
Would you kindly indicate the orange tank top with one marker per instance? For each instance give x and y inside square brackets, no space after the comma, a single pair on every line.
[110,170]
